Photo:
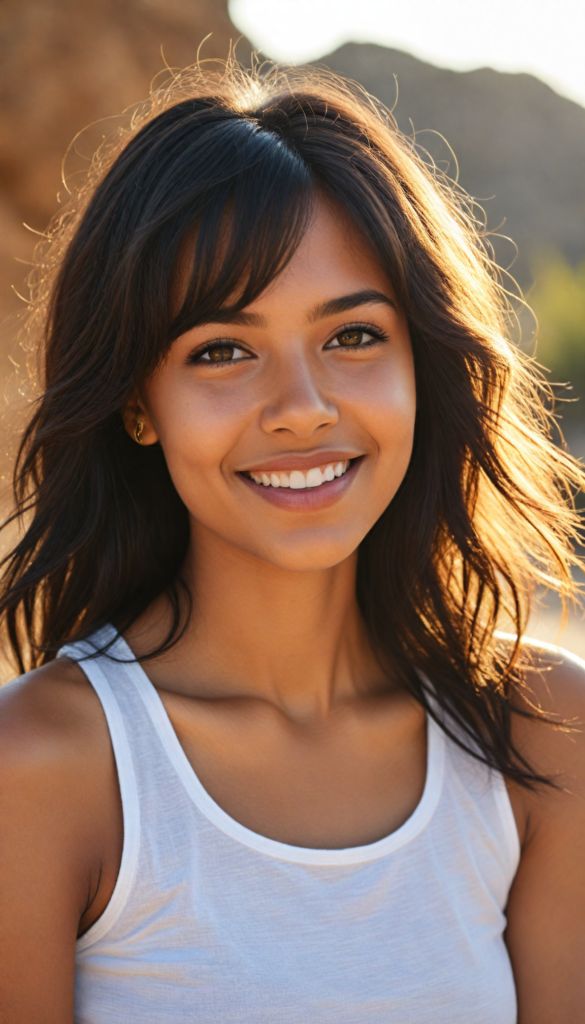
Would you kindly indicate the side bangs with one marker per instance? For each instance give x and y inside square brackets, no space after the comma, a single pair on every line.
[249,229]
[186,218]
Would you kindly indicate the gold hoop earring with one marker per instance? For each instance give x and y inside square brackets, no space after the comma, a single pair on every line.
[138,431]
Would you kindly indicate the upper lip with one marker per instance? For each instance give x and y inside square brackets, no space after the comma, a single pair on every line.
[308,460]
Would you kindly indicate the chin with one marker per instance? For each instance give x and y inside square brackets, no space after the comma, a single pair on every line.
[314,555]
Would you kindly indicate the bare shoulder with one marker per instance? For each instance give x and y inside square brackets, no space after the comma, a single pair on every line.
[555,676]
[551,736]
[57,769]
[555,688]
[49,716]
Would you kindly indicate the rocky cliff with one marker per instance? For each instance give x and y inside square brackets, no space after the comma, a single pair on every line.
[67,63]
[520,146]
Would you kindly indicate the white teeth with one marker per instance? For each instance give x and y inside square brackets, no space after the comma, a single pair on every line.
[315,478]
[297,480]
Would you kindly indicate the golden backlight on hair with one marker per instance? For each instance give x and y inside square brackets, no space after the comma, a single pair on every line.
[485,513]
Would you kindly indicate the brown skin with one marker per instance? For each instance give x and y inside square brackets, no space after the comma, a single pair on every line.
[275,671]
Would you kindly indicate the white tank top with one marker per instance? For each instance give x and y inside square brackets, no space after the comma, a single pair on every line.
[211,923]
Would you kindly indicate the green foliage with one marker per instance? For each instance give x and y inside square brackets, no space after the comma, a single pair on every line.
[558,300]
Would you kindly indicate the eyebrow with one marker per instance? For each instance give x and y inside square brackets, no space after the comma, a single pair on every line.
[345,302]
[241,318]
[341,304]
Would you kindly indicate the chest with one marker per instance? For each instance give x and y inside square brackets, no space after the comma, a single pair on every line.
[348,782]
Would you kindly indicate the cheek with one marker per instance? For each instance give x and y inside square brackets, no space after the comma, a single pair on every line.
[388,409]
[197,432]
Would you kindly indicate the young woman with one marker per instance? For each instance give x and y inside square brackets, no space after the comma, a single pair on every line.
[271,761]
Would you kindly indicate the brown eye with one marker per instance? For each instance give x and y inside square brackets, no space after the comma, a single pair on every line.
[223,352]
[221,355]
[350,338]
[357,337]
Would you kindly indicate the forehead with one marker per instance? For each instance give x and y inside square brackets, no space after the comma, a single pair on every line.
[328,258]
[333,258]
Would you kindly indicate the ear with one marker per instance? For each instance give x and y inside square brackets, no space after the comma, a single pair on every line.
[138,423]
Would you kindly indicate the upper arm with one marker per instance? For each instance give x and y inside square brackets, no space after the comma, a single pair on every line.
[52,799]
[546,908]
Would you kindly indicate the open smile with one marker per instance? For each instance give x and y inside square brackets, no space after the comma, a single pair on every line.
[304,489]
[297,480]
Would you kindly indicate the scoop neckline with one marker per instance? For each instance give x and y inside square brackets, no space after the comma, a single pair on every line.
[406,833]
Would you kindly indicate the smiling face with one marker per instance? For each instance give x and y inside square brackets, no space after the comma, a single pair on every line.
[288,430]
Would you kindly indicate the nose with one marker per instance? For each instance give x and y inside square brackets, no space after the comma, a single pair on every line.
[297,404]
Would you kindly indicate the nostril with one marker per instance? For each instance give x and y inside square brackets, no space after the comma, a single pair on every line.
[298,412]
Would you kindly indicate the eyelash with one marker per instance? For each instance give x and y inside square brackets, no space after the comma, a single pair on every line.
[377,337]
[214,346]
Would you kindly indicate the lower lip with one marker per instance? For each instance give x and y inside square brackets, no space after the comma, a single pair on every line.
[308,499]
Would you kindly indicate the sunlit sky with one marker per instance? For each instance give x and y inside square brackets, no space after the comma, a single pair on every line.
[543,37]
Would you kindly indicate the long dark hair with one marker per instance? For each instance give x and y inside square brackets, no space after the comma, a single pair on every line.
[229,163]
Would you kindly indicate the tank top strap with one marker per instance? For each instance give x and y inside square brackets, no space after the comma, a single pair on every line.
[485,787]
[109,690]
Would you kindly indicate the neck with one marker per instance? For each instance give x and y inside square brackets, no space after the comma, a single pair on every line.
[296,639]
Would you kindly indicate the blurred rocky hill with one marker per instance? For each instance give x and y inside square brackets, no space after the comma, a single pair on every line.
[514,138]
[65,64]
